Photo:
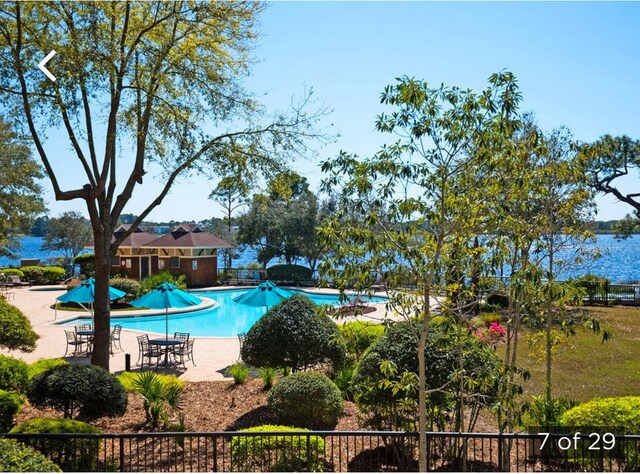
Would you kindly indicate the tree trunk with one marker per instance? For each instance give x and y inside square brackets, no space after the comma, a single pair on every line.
[548,348]
[422,381]
[102,303]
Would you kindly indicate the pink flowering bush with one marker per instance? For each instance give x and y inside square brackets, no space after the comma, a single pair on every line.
[494,334]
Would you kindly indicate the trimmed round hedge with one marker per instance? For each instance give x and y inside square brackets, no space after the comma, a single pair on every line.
[616,412]
[130,286]
[289,272]
[307,399]
[10,405]
[16,333]
[17,457]
[291,334]
[71,454]
[14,374]
[78,388]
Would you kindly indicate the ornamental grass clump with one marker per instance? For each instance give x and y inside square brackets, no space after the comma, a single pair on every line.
[240,373]
[268,376]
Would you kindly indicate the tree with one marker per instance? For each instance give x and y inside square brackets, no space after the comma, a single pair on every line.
[39,227]
[231,193]
[609,160]
[402,210]
[282,221]
[20,200]
[68,234]
[149,75]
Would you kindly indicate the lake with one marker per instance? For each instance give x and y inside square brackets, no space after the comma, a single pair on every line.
[620,259]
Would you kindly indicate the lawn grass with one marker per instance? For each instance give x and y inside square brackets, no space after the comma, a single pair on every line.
[585,367]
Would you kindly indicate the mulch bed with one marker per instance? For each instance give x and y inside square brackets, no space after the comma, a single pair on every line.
[208,406]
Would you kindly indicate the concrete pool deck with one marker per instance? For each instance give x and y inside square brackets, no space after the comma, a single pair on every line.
[211,354]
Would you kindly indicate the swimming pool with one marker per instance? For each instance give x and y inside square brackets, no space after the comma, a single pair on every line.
[227,319]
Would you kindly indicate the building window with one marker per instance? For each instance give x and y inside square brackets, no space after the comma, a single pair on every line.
[128,263]
[175,262]
[194,265]
[160,264]
[116,261]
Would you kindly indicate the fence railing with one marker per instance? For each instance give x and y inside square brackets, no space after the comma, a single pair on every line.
[604,294]
[333,451]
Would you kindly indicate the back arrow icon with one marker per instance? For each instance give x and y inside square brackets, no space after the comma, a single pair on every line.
[44,69]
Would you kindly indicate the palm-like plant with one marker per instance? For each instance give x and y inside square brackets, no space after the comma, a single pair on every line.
[160,399]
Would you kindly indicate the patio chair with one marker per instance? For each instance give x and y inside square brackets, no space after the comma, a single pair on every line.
[115,338]
[181,335]
[147,351]
[241,337]
[184,352]
[75,342]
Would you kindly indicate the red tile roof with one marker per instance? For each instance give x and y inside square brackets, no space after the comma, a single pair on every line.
[188,239]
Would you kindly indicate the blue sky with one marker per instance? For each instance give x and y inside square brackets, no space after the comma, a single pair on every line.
[578,65]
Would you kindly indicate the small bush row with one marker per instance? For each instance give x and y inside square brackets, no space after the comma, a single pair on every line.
[44,275]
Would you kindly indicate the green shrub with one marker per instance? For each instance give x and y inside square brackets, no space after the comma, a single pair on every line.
[343,379]
[542,413]
[268,376]
[358,336]
[277,453]
[306,399]
[14,374]
[10,405]
[291,334]
[152,281]
[42,365]
[78,388]
[162,398]
[591,286]
[498,300]
[87,263]
[240,373]
[618,412]
[377,399]
[74,454]
[128,380]
[17,457]
[128,285]
[289,272]
[488,318]
[44,275]
[16,330]
[12,271]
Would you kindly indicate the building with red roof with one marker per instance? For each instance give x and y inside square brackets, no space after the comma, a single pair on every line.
[187,249]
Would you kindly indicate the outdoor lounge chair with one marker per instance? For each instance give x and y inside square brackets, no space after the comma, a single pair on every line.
[16,281]
[147,351]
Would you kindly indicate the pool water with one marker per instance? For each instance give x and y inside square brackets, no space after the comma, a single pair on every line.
[227,319]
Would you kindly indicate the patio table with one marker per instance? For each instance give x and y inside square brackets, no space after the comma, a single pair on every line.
[166,345]
[86,336]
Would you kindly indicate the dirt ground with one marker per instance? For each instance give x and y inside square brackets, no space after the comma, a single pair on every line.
[208,406]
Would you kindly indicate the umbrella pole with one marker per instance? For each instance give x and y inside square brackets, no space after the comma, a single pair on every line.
[166,318]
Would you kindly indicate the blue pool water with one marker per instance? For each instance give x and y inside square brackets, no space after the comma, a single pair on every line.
[226,320]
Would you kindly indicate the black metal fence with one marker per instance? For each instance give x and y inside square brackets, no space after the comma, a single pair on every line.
[335,451]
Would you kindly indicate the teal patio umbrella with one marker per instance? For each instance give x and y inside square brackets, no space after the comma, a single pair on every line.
[165,296]
[265,294]
[85,293]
